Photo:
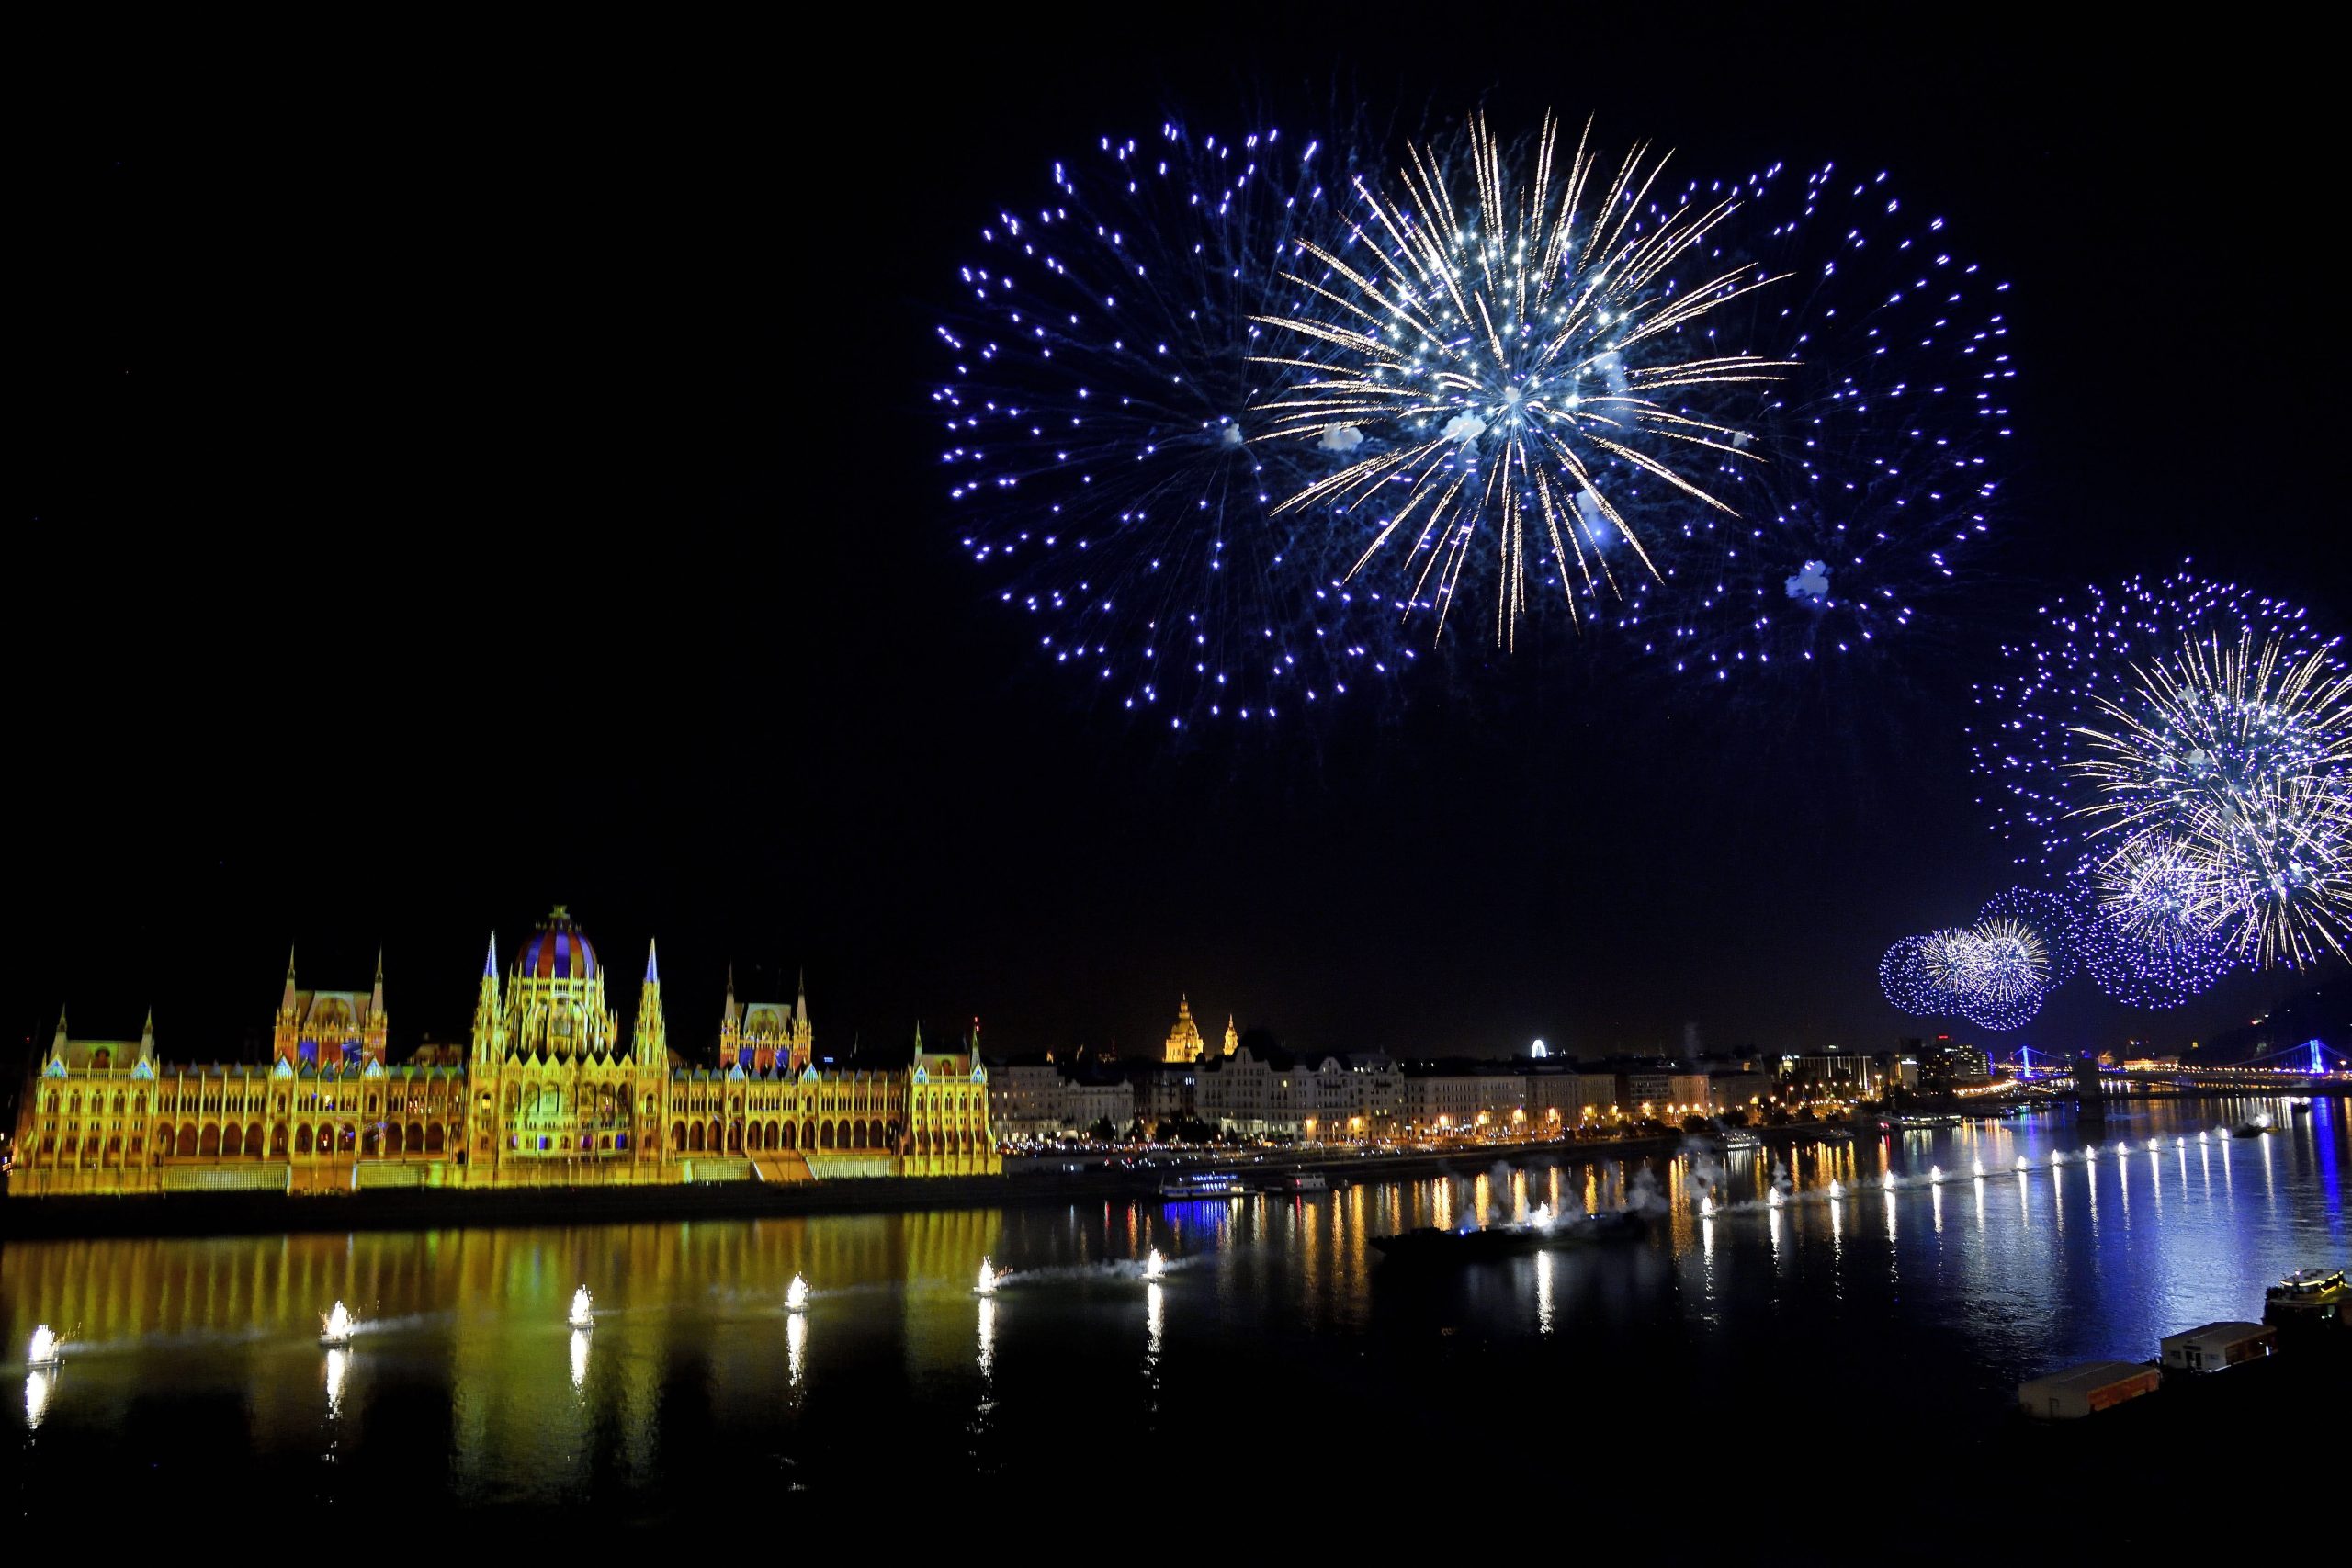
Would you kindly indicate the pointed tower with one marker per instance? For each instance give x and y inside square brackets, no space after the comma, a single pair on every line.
[1232,1036]
[486,1022]
[375,1033]
[801,1042]
[730,1027]
[285,1034]
[147,1037]
[651,1044]
[57,1046]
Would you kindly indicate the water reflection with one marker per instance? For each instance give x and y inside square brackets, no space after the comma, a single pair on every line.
[464,1394]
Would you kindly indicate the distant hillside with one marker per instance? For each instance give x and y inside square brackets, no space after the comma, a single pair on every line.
[2322,1013]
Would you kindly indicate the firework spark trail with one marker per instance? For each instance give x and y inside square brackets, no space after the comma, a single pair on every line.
[2226,771]
[2148,936]
[2054,920]
[1540,332]
[2036,705]
[1994,974]
[1101,453]
[1883,446]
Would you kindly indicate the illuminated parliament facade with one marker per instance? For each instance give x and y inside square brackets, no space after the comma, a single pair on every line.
[551,1091]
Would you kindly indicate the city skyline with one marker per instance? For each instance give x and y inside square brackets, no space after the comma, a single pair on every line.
[105,1017]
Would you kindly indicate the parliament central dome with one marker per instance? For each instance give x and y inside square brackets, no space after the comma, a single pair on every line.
[556,950]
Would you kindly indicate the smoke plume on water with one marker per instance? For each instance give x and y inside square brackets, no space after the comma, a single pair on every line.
[1707,1174]
[1643,1197]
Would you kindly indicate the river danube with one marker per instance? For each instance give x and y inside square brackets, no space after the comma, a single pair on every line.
[1889,1325]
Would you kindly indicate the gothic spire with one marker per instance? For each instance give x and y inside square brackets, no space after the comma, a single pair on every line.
[651,1042]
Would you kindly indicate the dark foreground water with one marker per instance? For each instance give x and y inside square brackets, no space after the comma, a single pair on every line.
[1871,1343]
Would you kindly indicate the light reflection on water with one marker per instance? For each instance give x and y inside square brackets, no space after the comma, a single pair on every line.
[456,1380]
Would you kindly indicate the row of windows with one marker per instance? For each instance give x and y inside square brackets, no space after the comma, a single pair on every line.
[251,1142]
[309,1100]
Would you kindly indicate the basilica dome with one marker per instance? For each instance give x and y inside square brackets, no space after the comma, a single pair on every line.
[557,950]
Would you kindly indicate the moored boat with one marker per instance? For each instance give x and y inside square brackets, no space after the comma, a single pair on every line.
[1202,1184]
[2309,1299]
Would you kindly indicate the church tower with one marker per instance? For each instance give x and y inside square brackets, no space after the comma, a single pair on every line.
[1232,1036]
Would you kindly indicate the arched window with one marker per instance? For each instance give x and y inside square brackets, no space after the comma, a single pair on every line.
[302,1139]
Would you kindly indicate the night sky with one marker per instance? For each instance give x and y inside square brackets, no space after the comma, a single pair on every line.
[449,489]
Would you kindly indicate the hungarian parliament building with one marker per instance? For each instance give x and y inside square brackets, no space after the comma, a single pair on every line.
[551,1092]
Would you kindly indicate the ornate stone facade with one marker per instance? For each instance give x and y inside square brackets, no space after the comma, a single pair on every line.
[551,1092]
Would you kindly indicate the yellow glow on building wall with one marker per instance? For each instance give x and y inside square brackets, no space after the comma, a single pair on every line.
[549,1093]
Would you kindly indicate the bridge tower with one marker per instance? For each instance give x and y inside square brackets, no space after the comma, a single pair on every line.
[2090,1095]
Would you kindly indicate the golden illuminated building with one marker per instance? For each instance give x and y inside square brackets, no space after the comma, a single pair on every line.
[1184,1042]
[552,1092]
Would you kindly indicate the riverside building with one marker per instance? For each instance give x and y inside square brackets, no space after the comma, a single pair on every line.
[550,1091]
